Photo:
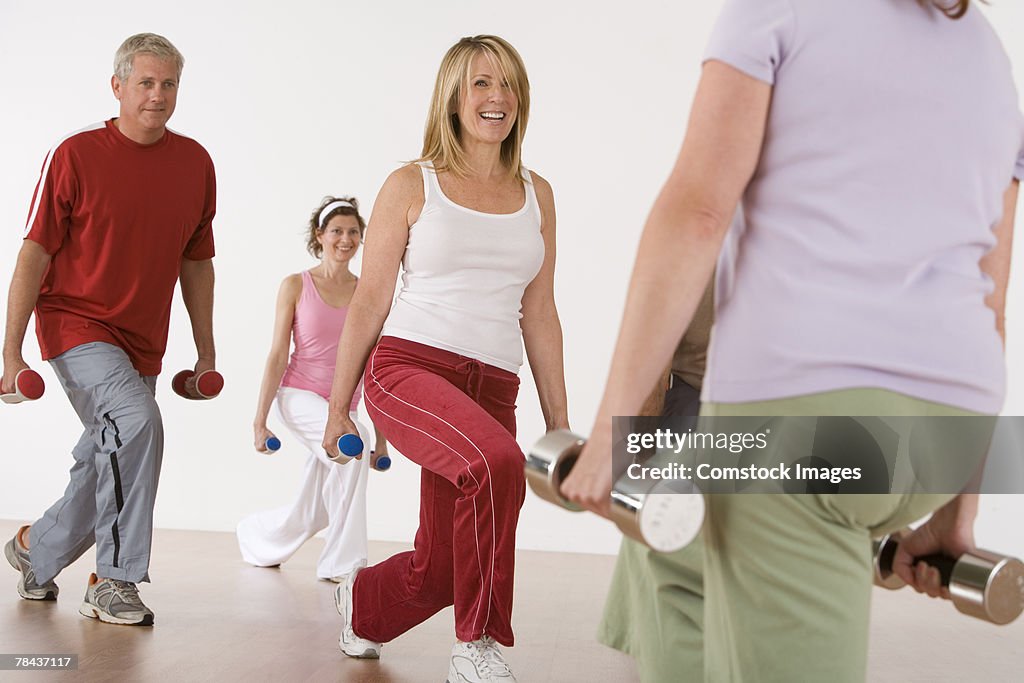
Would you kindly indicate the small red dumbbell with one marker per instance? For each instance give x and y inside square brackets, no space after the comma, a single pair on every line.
[208,384]
[28,386]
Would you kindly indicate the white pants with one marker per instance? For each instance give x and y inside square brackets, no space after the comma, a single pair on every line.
[332,496]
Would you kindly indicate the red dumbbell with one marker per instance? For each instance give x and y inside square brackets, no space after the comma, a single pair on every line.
[208,384]
[28,386]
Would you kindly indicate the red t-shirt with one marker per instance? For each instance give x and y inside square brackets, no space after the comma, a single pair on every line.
[117,218]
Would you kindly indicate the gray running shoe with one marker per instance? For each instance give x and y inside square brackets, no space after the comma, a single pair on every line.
[348,641]
[115,602]
[27,586]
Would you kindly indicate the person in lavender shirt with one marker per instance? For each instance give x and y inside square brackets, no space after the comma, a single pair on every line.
[875,150]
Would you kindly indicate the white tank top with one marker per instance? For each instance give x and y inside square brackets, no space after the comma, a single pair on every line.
[464,273]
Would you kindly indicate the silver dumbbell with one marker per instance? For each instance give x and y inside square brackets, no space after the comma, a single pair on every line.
[982,584]
[647,511]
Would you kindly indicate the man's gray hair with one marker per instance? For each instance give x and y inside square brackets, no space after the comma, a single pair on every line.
[146,43]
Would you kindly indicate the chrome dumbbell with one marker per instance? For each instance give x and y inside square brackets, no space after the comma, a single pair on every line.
[982,584]
[646,511]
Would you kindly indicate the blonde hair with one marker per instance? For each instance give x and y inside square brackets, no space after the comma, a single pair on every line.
[146,43]
[441,142]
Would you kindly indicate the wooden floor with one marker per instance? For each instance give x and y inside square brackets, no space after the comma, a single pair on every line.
[219,619]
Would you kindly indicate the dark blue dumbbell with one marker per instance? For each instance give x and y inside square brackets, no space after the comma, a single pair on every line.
[350,445]
[383,464]
[272,444]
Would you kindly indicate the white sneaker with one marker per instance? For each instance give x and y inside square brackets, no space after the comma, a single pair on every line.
[478,662]
[348,641]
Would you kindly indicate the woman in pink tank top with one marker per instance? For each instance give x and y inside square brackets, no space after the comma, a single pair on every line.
[311,310]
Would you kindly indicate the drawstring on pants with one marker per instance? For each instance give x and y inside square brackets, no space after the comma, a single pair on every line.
[474,371]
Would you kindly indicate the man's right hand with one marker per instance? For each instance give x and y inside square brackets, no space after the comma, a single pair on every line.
[12,367]
[21,300]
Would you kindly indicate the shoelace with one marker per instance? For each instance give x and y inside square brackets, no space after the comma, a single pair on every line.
[491,657]
[127,591]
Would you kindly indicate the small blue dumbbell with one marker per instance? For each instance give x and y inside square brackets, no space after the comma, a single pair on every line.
[383,464]
[350,445]
[272,444]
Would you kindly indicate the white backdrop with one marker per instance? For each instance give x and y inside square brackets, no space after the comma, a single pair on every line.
[301,99]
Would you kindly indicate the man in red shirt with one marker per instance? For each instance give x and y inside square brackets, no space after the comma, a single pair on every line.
[122,211]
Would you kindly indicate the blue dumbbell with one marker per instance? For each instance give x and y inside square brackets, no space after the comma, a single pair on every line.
[272,444]
[350,445]
[383,464]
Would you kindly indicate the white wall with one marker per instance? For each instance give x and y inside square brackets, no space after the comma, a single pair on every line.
[301,99]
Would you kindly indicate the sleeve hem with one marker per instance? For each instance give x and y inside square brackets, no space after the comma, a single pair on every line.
[46,248]
[750,67]
[199,256]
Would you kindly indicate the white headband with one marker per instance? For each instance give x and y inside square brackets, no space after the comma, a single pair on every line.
[331,207]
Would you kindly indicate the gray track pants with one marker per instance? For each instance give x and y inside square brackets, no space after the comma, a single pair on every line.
[109,500]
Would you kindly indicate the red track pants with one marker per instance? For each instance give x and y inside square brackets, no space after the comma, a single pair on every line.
[455,417]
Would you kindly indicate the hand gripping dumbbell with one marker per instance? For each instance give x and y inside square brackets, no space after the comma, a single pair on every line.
[646,511]
[351,445]
[982,584]
[208,384]
[28,386]
[383,462]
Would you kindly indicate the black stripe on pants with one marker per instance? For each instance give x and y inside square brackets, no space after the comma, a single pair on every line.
[118,493]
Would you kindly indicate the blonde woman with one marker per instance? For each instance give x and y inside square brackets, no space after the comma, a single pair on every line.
[312,308]
[475,232]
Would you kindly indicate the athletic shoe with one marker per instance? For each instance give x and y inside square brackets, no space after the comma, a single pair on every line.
[479,662]
[115,602]
[18,556]
[348,641]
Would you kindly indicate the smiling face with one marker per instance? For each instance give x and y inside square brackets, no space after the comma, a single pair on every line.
[147,98]
[340,238]
[487,106]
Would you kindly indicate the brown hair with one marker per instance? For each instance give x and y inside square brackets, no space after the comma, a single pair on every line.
[954,9]
[316,226]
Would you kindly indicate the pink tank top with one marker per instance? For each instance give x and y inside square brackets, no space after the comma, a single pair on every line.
[316,329]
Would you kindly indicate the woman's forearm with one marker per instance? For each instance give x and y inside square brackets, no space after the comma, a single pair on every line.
[542,336]
[362,329]
[273,372]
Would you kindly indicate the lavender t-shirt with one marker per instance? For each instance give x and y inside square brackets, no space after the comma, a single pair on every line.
[892,136]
